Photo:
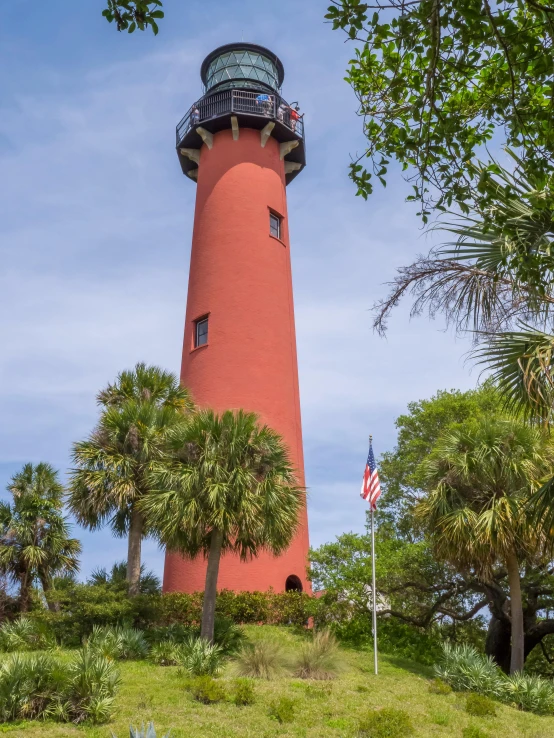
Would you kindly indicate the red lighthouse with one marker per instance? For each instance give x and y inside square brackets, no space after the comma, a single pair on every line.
[242,144]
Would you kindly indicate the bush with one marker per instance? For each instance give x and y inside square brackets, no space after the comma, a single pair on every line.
[25,635]
[37,686]
[166,653]
[282,710]
[118,642]
[437,686]
[480,706]
[207,690]
[261,659]
[531,693]
[243,692]
[227,635]
[176,633]
[466,670]
[319,658]
[93,681]
[387,723]
[198,657]
[474,732]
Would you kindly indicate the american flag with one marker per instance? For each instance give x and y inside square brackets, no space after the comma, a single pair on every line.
[371,489]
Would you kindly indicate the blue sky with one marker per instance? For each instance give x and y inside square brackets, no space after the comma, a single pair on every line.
[95,228]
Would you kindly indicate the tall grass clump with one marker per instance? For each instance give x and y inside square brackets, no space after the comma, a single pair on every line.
[318,658]
[261,659]
[40,686]
[198,657]
[466,670]
[25,635]
[118,642]
[530,693]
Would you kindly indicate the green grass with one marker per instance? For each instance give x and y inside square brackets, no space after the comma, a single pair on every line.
[321,709]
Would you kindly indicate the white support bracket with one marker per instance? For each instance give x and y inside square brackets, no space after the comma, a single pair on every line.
[235,127]
[266,132]
[292,166]
[206,136]
[286,147]
[192,154]
[193,174]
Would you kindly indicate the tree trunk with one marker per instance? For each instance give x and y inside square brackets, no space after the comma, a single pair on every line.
[46,587]
[516,610]
[497,644]
[133,551]
[210,589]
[24,592]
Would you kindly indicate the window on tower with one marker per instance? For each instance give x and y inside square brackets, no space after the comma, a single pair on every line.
[200,332]
[274,225]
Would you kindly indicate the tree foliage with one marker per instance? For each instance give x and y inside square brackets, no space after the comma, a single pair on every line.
[436,80]
[230,488]
[112,466]
[129,15]
[35,544]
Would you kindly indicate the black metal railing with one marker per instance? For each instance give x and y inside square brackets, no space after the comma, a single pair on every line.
[240,101]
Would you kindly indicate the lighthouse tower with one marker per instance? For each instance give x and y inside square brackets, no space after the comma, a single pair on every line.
[242,144]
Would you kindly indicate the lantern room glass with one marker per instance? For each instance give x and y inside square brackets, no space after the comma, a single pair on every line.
[242,65]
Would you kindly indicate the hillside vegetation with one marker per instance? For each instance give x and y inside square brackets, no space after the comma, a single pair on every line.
[320,709]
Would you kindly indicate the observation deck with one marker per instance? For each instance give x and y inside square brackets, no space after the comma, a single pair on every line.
[242,90]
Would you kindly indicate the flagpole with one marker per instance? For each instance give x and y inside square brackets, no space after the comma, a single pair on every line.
[373,587]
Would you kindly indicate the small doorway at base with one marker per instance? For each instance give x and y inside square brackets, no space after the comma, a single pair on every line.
[293,584]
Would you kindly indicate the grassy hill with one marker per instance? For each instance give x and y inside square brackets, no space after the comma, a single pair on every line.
[322,709]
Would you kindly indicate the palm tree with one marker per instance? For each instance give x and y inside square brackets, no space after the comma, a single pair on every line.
[112,465]
[149,582]
[480,477]
[34,535]
[230,488]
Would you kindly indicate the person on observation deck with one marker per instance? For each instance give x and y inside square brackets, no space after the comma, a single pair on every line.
[194,116]
[264,101]
[294,117]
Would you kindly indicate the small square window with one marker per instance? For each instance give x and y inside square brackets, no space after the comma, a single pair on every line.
[201,332]
[274,225]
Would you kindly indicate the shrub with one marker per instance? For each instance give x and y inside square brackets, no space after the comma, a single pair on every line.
[28,685]
[531,693]
[474,732]
[387,723]
[93,681]
[261,659]
[206,689]
[176,633]
[227,635]
[243,692]
[480,706]
[166,653]
[437,686]
[150,732]
[282,710]
[25,635]
[466,670]
[39,685]
[318,658]
[198,657]
[118,642]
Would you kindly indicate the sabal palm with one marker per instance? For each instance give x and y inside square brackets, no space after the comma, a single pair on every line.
[112,465]
[34,535]
[480,477]
[231,488]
